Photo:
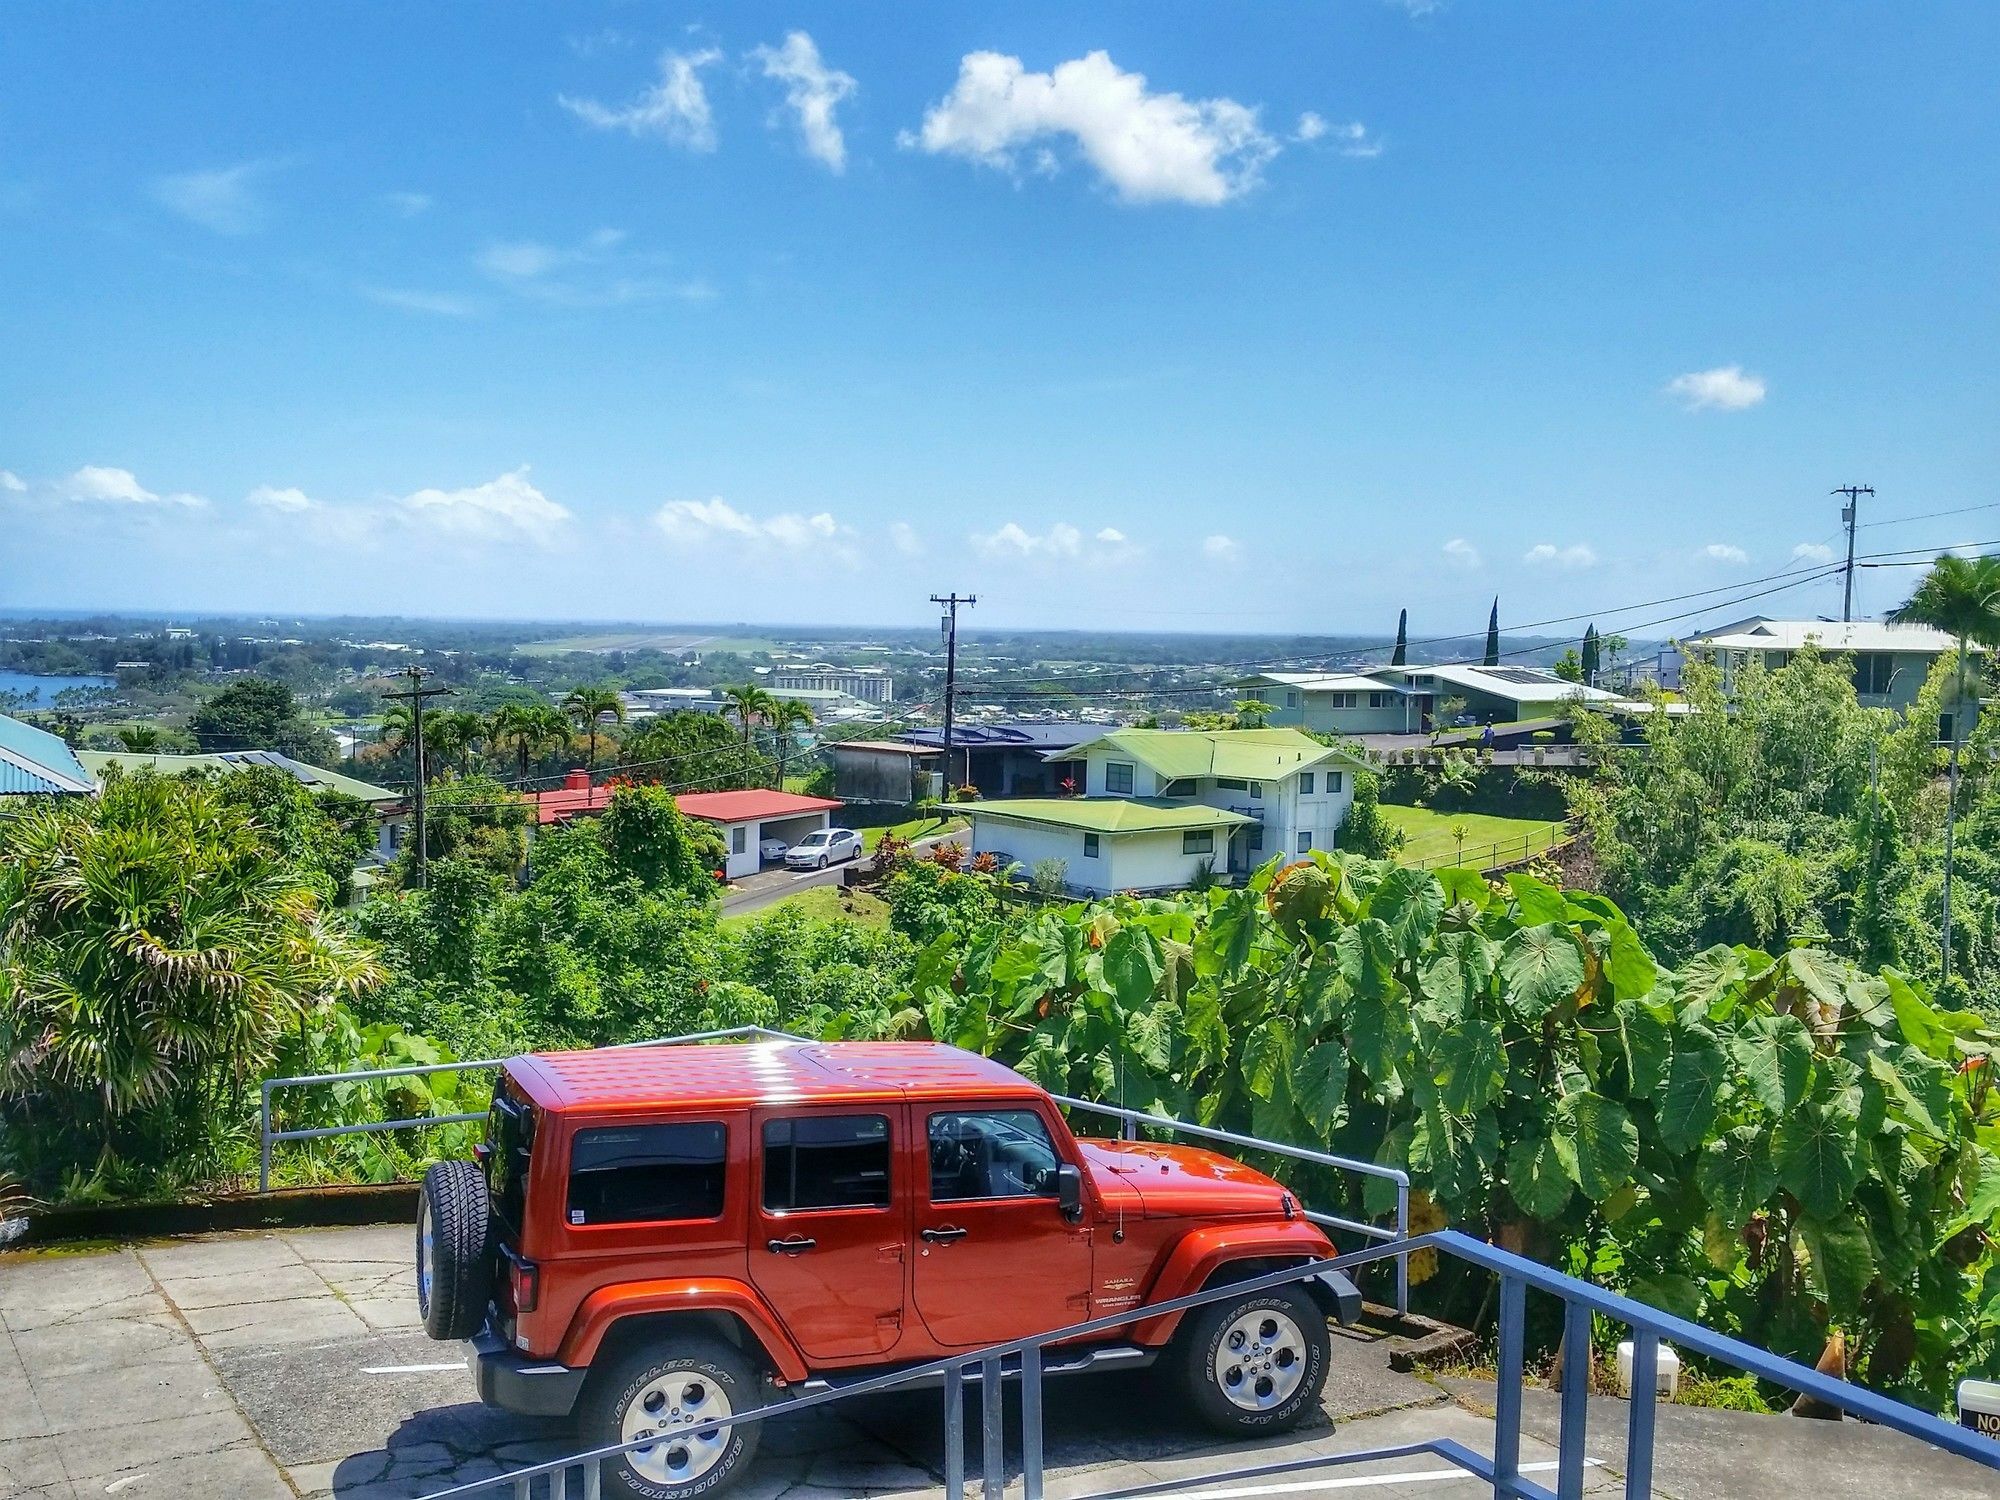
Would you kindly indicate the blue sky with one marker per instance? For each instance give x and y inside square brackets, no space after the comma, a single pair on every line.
[1158,316]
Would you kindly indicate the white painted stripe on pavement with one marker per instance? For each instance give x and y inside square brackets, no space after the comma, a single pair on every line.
[1365,1481]
[410,1369]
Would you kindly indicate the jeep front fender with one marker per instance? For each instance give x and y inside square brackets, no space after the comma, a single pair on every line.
[1203,1252]
[610,1305]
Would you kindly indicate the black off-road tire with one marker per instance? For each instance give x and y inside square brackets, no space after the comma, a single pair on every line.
[454,1250]
[1294,1363]
[611,1390]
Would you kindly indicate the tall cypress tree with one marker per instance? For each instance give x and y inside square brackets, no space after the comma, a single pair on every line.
[1591,651]
[1493,634]
[1396,657]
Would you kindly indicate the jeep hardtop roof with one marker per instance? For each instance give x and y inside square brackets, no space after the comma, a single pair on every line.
[635,1079]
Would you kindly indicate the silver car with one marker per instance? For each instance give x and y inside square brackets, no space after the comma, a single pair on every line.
[823,847]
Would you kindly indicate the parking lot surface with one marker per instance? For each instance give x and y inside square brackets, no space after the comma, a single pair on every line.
[290,1364]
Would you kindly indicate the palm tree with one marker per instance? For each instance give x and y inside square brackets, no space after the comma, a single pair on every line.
[787,718]
[140,739]
[451,735]
[747,705]
[587,706]
[533,729]
[1961,597]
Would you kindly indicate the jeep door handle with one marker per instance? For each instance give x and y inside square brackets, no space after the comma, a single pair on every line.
[796,1245]
[942,1236]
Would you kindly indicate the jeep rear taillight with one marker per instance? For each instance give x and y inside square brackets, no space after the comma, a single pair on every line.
[525,1282]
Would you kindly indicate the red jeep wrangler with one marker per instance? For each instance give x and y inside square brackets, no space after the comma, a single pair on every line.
[657,1236]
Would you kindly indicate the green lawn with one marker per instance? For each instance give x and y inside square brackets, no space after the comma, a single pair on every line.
[916,828]
[826,902]
[1431,840]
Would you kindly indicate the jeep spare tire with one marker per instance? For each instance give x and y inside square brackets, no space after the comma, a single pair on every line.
[454,1253]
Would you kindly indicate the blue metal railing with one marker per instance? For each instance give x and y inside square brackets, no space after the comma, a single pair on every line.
[1502,1469]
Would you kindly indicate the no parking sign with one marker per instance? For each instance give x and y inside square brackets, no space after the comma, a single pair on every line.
[1979,1406]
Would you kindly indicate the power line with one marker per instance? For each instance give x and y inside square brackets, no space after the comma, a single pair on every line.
[1963,510]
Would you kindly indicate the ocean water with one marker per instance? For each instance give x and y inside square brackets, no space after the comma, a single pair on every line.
[45,689]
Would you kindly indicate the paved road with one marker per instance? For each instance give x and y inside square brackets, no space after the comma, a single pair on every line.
[755,892]
[289,1365]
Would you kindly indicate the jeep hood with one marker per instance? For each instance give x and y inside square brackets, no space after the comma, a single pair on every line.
[1168,1182]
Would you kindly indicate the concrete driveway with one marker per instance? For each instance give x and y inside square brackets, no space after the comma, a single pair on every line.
[287,1365]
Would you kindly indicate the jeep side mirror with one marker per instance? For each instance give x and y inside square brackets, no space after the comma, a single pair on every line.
[1069,1191]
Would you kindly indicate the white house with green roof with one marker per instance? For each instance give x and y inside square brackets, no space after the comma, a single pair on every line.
[1231,797]
[1338,702]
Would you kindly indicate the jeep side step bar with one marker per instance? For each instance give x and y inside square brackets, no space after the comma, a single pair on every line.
[1056,1362]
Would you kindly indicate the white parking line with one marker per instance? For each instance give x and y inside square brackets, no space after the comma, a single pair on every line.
[1365,1481]
[457,1364]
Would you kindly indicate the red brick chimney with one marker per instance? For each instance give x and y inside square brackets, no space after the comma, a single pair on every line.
[577,781]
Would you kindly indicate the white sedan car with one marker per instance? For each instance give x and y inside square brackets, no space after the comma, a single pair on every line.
[771,851]
[823,847]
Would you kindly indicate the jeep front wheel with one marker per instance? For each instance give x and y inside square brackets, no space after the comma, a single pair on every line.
[1255,1363]
[659,1392]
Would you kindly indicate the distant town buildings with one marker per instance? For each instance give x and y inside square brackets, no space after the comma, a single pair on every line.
[869,684]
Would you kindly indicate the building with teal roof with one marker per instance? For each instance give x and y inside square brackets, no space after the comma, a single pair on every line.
[35,763]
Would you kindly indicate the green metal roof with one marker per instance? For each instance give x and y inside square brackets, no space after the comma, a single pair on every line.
[1106,814]
[1242,754]
[34,762]
[316,777]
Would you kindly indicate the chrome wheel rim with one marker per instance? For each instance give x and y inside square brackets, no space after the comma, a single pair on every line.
[1260,1360]
[426,1250]
[662,1408]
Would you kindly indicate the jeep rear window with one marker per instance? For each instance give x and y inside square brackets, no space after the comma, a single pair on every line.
[641,1174]
[826,1161]
[510,1139]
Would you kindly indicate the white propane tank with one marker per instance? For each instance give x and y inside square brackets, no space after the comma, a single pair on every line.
[1668,1368]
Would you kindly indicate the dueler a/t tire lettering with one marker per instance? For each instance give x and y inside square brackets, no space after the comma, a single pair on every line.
[454,1250]
[1295,1361]
[680,1366]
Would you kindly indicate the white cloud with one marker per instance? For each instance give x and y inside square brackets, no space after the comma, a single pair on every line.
[437,304]
[409,205]
[1014,540]
[504,509]
[1311,127]
[1222,548]
[675,109]
[511,260]
[1150,147]
[1547,554]
[1111,536]
[1725,388]
[597,271]
[812,90]
[1461,554]
[12,482]
[903,537]
[1356,141]
[1725,552]
[1814,552]
[267,497]
[95,484]
[222,199]
[697,523]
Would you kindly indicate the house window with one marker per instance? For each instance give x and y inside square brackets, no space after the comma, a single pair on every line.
[1305,841]
[1381,700]
[1257,789]
[643,1174]
[1180,786]
[1341,700]
[739,839]
[1291,700]
[1305,783]
[1333,783]
[1198,841]
[1873,671]
[1090,846]
[1118,777]
[1230,784]
[1256,839]
[826,1161]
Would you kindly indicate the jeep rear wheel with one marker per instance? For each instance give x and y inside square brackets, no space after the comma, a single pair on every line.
[454,1252]
[1256,1363]
[659,1392]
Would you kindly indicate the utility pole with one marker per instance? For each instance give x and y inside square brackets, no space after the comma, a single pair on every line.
[414,695]
[1848,514]
[951,603]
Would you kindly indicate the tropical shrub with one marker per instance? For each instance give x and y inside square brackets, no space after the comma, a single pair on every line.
[1781,1145]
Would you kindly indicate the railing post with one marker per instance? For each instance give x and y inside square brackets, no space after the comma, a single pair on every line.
[1507,1395]
[1403,1261]
[1031,1423]
[264,1140]
[954,1432]
[992,1436]
[1128,1129]
[1639,1420]
[593,1479]
[1575,1401]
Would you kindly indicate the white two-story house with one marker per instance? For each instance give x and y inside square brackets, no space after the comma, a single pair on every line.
[1158,804]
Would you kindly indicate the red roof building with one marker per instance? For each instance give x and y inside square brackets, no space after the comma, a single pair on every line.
[576,795]
[743,807]
[747,818]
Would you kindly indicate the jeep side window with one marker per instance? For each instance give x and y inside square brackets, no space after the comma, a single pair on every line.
[826,1161]
[510,1138]
[640,1174]
[991,1153]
